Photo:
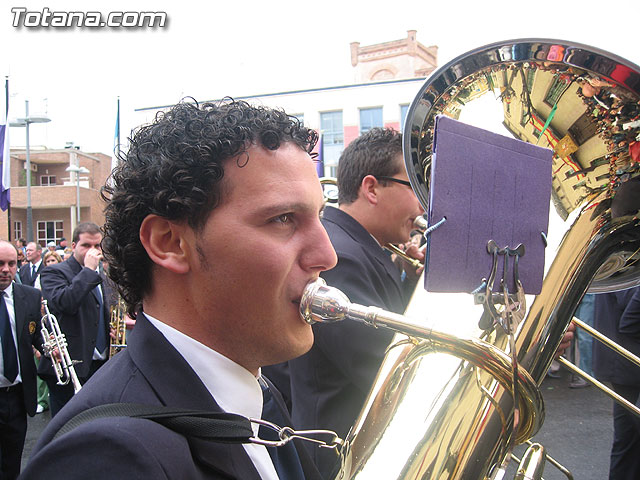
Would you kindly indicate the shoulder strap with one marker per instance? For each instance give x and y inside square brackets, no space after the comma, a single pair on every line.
[214,426]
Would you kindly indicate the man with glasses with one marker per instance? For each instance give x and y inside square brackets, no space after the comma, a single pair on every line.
[376,207]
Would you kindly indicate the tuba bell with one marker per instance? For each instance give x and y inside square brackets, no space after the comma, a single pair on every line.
[439,412]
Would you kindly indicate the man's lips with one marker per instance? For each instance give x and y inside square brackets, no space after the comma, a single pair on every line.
[298,299]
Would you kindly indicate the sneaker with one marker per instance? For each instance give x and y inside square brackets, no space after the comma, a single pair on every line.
[39,409]
[578,382]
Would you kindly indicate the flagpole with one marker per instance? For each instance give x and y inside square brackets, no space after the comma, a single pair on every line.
[6,116]
[118,133]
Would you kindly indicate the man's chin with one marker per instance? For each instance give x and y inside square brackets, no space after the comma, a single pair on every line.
[298,347]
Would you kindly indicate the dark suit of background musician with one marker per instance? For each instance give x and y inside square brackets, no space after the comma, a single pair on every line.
[330,383]
[18,398]
[33,254]
[70,289]
[617,315]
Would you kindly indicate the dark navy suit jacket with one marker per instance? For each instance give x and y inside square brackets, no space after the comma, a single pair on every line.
[330,383]
[26,305]
[617,315]
[25,273]
[68,288]
[149,371]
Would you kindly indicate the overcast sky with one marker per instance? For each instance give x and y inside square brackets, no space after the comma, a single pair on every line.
[212,49]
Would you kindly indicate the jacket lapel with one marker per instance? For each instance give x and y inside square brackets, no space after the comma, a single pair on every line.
[18,308]
[177,385]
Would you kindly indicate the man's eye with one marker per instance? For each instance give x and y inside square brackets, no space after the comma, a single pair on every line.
[284,218]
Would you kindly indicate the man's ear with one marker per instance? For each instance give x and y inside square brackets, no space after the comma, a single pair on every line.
[166,243]
[369,189]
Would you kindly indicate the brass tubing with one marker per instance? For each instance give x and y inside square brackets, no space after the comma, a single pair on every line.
[607,341]
[555,463]
[621,400]
[532,464]
[398,251]
[324,304]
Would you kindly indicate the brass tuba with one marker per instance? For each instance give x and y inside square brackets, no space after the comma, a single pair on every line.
[436,412]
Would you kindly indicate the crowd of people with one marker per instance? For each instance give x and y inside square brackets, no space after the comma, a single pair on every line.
[72,288]
[215,223]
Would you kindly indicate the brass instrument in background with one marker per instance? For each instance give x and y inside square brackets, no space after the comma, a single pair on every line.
[118,325]
[53,339]
[438,407]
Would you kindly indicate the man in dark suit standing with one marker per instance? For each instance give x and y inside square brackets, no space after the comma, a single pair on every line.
[212,232]
[31,269]
[77,296]
[376,206]
[19,327]
[617,316]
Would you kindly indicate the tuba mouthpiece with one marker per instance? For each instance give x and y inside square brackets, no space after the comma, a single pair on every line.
[323,304]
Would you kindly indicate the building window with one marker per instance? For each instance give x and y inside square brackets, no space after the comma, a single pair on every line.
[524,117]
[50,231]
[531,76]
[370,118]
[583,128]
[17,230]
[404,109]
[332,139]
[47,180]
[556,90]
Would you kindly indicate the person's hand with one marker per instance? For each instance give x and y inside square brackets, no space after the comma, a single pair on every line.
[566,340]
[129,322]
[413,251]
[92,258]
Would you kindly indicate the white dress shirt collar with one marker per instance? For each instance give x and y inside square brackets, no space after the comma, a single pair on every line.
[234,388]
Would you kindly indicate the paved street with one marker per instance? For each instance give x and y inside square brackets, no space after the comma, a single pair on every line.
[577,431]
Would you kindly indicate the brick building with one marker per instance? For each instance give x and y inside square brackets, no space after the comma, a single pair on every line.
[404,58]
[54,193]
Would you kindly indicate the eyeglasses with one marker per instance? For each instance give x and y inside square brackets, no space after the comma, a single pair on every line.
[393,179]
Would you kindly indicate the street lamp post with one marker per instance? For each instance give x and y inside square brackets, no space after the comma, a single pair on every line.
[25,122]
[77,170]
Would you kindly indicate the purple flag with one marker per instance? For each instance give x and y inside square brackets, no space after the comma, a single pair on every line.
[5,172]
[320,159]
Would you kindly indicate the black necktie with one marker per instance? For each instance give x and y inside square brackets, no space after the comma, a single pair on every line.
[285,459]
[33,273]
[9,354]
[101,339]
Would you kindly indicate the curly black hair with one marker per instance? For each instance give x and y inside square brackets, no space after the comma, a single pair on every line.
[372,153]
[173,168]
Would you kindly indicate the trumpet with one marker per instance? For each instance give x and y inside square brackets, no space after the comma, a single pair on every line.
[118,324]
[53,339]
[421,224]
